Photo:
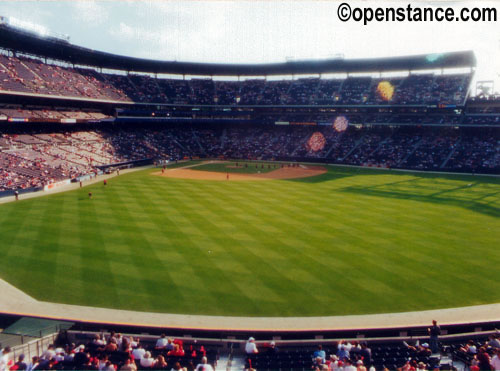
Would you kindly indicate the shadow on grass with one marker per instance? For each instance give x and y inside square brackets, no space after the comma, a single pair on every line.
[337,172]
[334,173]
[469,196]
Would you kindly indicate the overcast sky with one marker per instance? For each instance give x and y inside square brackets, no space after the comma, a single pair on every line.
[256,32]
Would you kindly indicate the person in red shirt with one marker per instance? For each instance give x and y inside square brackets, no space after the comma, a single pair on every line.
[176,352]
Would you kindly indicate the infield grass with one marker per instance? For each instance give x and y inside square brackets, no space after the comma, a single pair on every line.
[351,241]
[239,167]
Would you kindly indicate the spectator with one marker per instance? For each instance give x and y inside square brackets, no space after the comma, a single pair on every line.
[421,366]
[108,366]
[49,353]
[494,341]
[366,354]
[160,363]
[81,357]
[204,365]
[20,364]
[251,347]
[484,359]
[348,366]
[318,363]
[129,365]
[343,349]
[469,348]
[138,352]
[273,349]
[147,361]
[5,359]
[162,342]
[98,340]
[177,367]
[34,364]
[320,353]
[495,360]
[360,366]
[178,351]
[434,333]
[334,364]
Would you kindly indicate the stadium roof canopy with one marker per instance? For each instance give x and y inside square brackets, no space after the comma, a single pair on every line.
[22,41]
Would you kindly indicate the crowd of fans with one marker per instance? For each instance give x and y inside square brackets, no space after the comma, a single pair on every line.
[479,354]
[475,355]
[29,75]
[51,114]
[34,160]
[115,352]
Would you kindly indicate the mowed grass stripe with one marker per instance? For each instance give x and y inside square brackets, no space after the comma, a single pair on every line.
[350,241]
[245,240]
[187,290]
[238,248]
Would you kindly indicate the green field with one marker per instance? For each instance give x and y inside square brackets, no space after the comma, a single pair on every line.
[347,242]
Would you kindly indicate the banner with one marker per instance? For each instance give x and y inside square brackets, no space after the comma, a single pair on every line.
[57,185]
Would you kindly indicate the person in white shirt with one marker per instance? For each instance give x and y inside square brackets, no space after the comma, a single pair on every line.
[162,342]
[250,347]
[49,353]
[147,361]
[138,352]
[495,361]
[98,340]
[334,363]
[4,359]
[119,340]
[134,343]
[204,365]
[348,366]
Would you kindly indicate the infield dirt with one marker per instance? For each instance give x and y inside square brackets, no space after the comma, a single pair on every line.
[301,171]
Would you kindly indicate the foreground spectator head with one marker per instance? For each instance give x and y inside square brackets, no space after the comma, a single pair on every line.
[160,362]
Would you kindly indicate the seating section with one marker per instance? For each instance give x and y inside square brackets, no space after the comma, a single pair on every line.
[33,160]
[50,114]
[114,351]
[29,75]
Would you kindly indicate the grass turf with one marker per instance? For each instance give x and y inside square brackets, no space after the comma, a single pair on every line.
[351,241]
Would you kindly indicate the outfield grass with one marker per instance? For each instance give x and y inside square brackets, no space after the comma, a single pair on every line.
[347,242]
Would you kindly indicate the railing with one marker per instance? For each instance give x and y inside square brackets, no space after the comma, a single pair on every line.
[33,347]
[31,343]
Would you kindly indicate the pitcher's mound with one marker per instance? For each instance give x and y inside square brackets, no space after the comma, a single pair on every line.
[302,171]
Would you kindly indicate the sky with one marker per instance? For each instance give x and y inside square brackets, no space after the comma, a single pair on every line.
[258,31]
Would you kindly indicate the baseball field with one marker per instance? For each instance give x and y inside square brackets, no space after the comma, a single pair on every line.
[260,240]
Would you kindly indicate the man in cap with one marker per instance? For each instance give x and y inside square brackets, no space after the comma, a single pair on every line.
[250,347]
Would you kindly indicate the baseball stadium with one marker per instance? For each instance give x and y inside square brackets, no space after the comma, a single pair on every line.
[181,215]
